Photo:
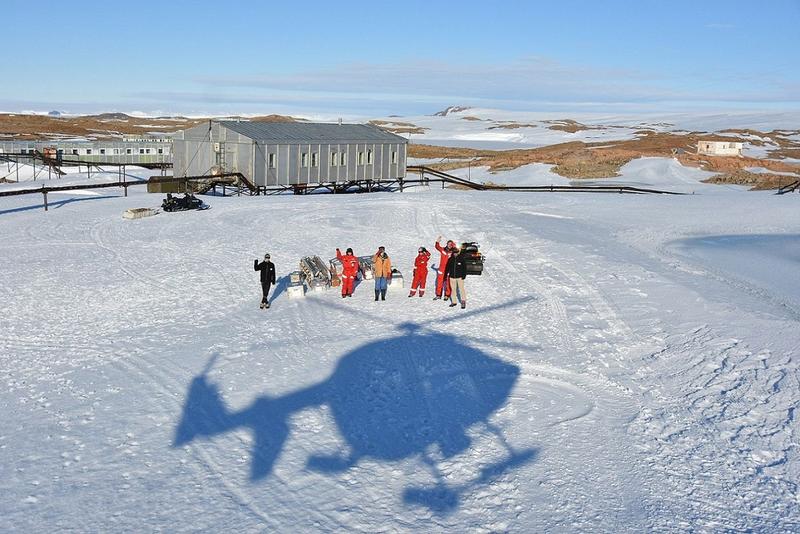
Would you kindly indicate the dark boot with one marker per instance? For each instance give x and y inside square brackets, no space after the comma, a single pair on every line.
[383,294]
[377,294]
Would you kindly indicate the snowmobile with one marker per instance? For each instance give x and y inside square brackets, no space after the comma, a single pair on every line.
[185,203]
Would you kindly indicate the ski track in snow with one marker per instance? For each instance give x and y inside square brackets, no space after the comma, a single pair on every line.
[650,393]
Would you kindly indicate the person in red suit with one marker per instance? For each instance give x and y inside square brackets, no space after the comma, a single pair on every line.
[442,282]
[420,272]
[349,271]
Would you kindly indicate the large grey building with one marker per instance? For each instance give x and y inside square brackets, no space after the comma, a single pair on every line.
[290,153]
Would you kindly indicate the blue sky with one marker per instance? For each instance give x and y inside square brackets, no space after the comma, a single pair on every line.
[413,57]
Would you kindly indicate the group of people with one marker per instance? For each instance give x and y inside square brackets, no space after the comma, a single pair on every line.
[450,273]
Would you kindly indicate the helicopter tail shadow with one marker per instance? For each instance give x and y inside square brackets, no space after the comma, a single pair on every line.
[203,409]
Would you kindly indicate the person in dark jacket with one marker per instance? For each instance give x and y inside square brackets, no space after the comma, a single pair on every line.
[457,273]
[267,269]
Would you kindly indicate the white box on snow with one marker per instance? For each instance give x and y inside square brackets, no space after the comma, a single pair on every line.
[296,291]
[397,280]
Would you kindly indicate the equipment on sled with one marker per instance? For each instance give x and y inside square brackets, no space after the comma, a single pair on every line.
[474,259]
[296,288]
[316,273]
[336,272]
[396,282]
[365,266]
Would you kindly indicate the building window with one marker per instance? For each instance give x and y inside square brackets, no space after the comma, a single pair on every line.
[304,159]
[74,151]
[116,152]
[369,157]
[160,150]
[129,151]
[360,158]
[147,150]
[102,151]
[343,159]
[394,156]
[334,160]
[314,159]
[141,151]
[88,151]
[272,161]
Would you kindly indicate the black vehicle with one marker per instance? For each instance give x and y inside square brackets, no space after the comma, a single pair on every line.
[187,202]
[474,259]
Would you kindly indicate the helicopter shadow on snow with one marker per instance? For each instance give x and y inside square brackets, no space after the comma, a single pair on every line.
[413,396]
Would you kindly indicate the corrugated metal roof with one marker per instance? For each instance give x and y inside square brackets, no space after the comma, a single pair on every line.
[310,132]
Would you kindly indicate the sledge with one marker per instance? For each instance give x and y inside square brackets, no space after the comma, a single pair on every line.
[139,213]
[396,282]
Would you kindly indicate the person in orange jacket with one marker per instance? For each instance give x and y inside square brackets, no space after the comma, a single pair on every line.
[349,271]
[442,281]
[420,272]
[382,271]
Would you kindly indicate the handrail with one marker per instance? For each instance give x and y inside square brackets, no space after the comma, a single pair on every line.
[788,188]
[154,180]
[450,178]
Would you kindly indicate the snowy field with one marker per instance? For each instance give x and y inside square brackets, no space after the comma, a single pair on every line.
[484,128]
[625,364]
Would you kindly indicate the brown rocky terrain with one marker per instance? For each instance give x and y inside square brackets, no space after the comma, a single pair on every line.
[579,160]
[103,126]
[399,127]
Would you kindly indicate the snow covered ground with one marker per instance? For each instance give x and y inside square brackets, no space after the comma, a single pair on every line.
[625,363]
[487,128]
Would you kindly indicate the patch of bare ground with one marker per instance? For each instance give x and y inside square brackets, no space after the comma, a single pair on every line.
[27,127]
[569,125]
[793,153]
[471,118]
[756,181]
[31,127]
[512,126]
[398,127]
[445,152]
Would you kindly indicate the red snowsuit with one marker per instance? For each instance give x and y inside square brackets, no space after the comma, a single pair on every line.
[349,271]
[442,280]
[420,273]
